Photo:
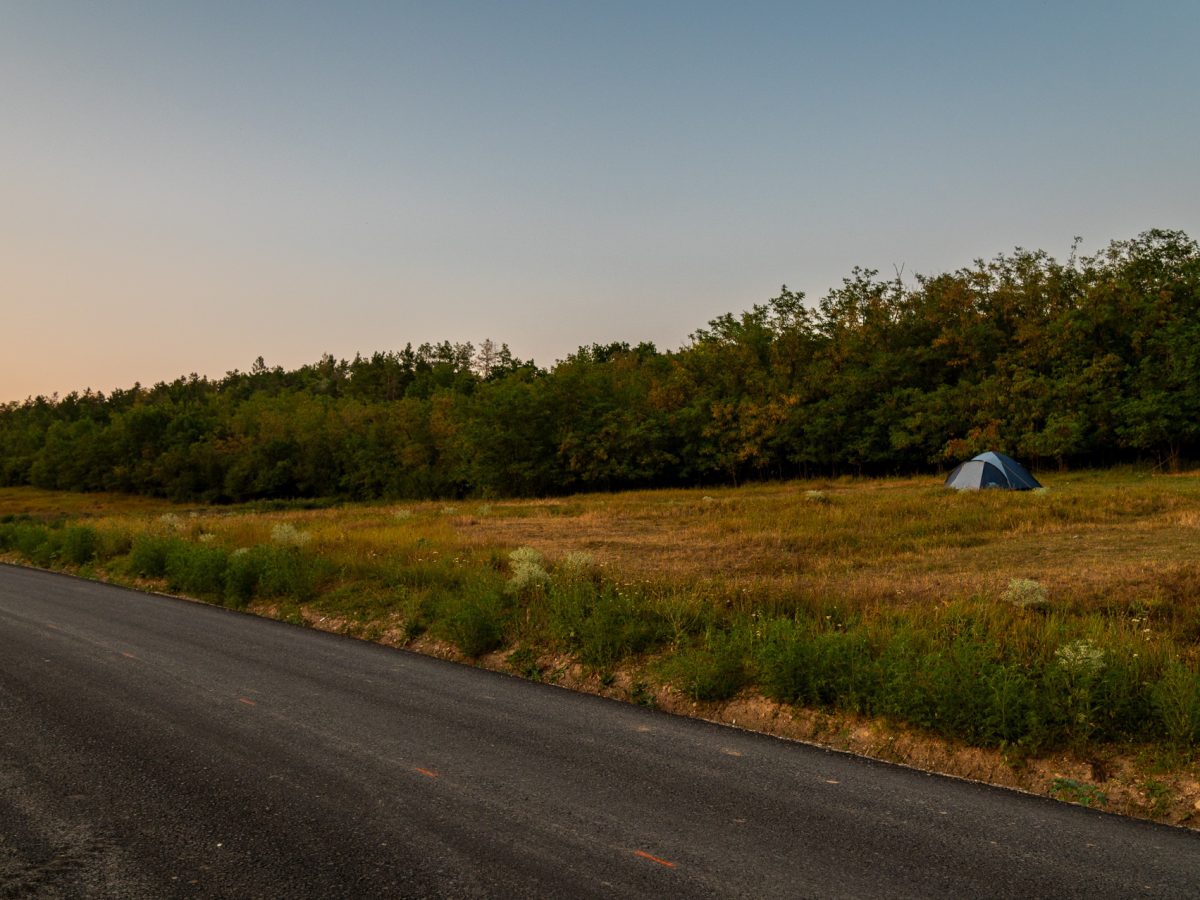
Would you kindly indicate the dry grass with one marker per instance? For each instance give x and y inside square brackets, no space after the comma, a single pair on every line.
[1090,538]
[20,501]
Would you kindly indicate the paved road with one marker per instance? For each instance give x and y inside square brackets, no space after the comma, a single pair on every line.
[152,747]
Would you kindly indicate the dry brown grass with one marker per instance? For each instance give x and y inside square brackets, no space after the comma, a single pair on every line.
[21,501]
[1091,538]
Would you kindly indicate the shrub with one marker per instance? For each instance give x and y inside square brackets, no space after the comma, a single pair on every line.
[575,565]
[419,610]
[475,622]
[716,670]
[601,624]
[197,570]
[242,573]
[1176,699]
[1025,593]
[148,555]
[79,544]
[787,662]
[24,537]
[286,572]
[527,571]
[113,543]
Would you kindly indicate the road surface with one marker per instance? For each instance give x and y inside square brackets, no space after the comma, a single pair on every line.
[152,747]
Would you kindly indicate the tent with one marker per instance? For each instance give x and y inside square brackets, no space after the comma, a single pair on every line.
[991,470]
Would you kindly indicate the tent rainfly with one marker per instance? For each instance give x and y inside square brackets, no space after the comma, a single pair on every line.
[991,470]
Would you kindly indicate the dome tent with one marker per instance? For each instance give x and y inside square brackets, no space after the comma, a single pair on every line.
[991,470]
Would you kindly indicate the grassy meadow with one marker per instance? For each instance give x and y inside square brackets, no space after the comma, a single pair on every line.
[1061,621]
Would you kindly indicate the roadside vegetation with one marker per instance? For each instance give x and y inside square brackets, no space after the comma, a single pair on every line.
[1061,620]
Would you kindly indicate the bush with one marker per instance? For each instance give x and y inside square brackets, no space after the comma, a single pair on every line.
[1176,699]
[79,544]
[113,543]
[601,624]
[716,670]
[787,662]
[286,572]
[475,622]
[1025,593]
[24,537]
[528,572]
[148,555]
[197,570]
[242,573]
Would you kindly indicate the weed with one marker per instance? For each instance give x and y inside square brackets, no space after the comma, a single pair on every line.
[1159,796]
[197,570]
[288,535]
[640,694]
[148,555]
[528,573]
[1176,699]
[524,662]
[714,670]
[474,622]
[79,544]
[1025,593]
[1078,792]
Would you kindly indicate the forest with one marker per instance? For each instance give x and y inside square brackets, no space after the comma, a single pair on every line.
[1089,362]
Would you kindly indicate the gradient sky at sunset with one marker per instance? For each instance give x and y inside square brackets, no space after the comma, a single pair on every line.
[187,186]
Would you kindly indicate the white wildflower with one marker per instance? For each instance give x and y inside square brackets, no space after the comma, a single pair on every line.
[1025,593]
[527,570]
[289,535]
[1080,657]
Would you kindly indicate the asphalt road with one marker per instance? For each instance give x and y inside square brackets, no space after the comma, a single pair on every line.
[152,747]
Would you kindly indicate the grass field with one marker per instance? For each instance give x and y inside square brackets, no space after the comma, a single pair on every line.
[1062,621]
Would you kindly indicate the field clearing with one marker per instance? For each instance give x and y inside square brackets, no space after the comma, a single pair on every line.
[876,615]
[1092,539]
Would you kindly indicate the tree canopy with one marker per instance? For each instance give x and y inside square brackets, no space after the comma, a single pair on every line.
[1091,361]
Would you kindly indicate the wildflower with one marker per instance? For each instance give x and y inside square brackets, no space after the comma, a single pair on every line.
[575,564]
[527,570]
[289,535]
[1025,593]
[1080,657]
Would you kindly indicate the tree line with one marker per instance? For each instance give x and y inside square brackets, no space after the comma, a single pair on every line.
[1092,361]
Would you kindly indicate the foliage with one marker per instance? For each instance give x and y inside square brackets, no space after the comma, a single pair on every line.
[1091,361]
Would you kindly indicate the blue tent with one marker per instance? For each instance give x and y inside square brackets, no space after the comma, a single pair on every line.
[991,470]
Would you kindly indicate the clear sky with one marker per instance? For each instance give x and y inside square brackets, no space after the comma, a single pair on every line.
[187,186]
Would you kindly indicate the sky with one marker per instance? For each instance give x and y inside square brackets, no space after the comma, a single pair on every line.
[187,186]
